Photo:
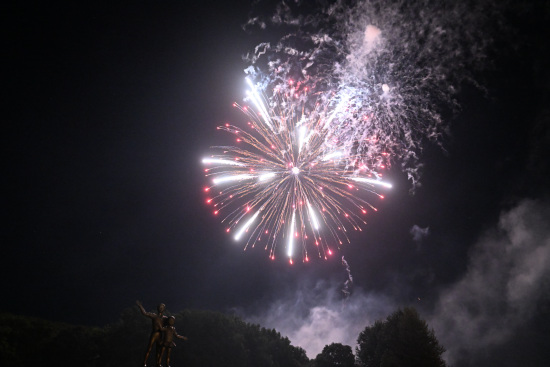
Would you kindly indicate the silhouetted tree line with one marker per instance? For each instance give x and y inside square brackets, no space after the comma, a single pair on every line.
[215,339]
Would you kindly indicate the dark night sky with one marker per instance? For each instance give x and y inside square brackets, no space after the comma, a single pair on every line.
[108,111]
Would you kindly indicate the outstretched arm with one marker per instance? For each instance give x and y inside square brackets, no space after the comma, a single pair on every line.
[143,312]
[181,337]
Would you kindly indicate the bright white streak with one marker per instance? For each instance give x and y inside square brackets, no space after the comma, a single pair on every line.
[312,216]
[332,155]
[222,161]
[266,176]
[246,225]
[291,235]
[220,180]
[259,104]
[301,137]
[371,181]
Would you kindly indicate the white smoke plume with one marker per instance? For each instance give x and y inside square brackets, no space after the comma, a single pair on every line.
[388,71]
[314,317]
[508,273]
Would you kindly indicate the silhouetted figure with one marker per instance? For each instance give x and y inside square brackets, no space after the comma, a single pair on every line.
[168,335]
[158,322]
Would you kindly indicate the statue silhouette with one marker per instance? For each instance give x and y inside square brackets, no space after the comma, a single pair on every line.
[158,322]
[168,335]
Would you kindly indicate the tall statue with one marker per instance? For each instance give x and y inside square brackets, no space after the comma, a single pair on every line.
[158,322]
[168,335]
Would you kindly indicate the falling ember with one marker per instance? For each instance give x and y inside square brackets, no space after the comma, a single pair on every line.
[348,284]
[290,237]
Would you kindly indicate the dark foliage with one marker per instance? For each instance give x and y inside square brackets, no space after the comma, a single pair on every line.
[219,340]
[215,339]
[402,340]
[335,355]
[33,342]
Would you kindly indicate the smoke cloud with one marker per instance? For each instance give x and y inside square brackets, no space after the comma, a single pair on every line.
[508,273]
[419,233]
[314,317]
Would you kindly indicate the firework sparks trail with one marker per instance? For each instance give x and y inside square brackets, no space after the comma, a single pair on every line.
[283,179]
[388,69]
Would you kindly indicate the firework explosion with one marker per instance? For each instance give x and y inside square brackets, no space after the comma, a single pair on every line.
[353,87]
[285,181]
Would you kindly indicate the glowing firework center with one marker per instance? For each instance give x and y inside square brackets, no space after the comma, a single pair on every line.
[285,182]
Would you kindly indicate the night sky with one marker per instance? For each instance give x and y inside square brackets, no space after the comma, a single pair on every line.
[108,112]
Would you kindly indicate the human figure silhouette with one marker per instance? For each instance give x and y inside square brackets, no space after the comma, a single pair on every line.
[168,335]
[158,322]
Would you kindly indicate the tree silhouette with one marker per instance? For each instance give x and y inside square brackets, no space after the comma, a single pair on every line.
[403,339]
[335,355]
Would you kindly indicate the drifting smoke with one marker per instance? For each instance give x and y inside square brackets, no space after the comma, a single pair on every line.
[389,70]
[418,234]
[507,277]
[313,317]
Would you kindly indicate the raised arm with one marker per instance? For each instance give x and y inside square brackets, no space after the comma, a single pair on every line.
[143,312]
